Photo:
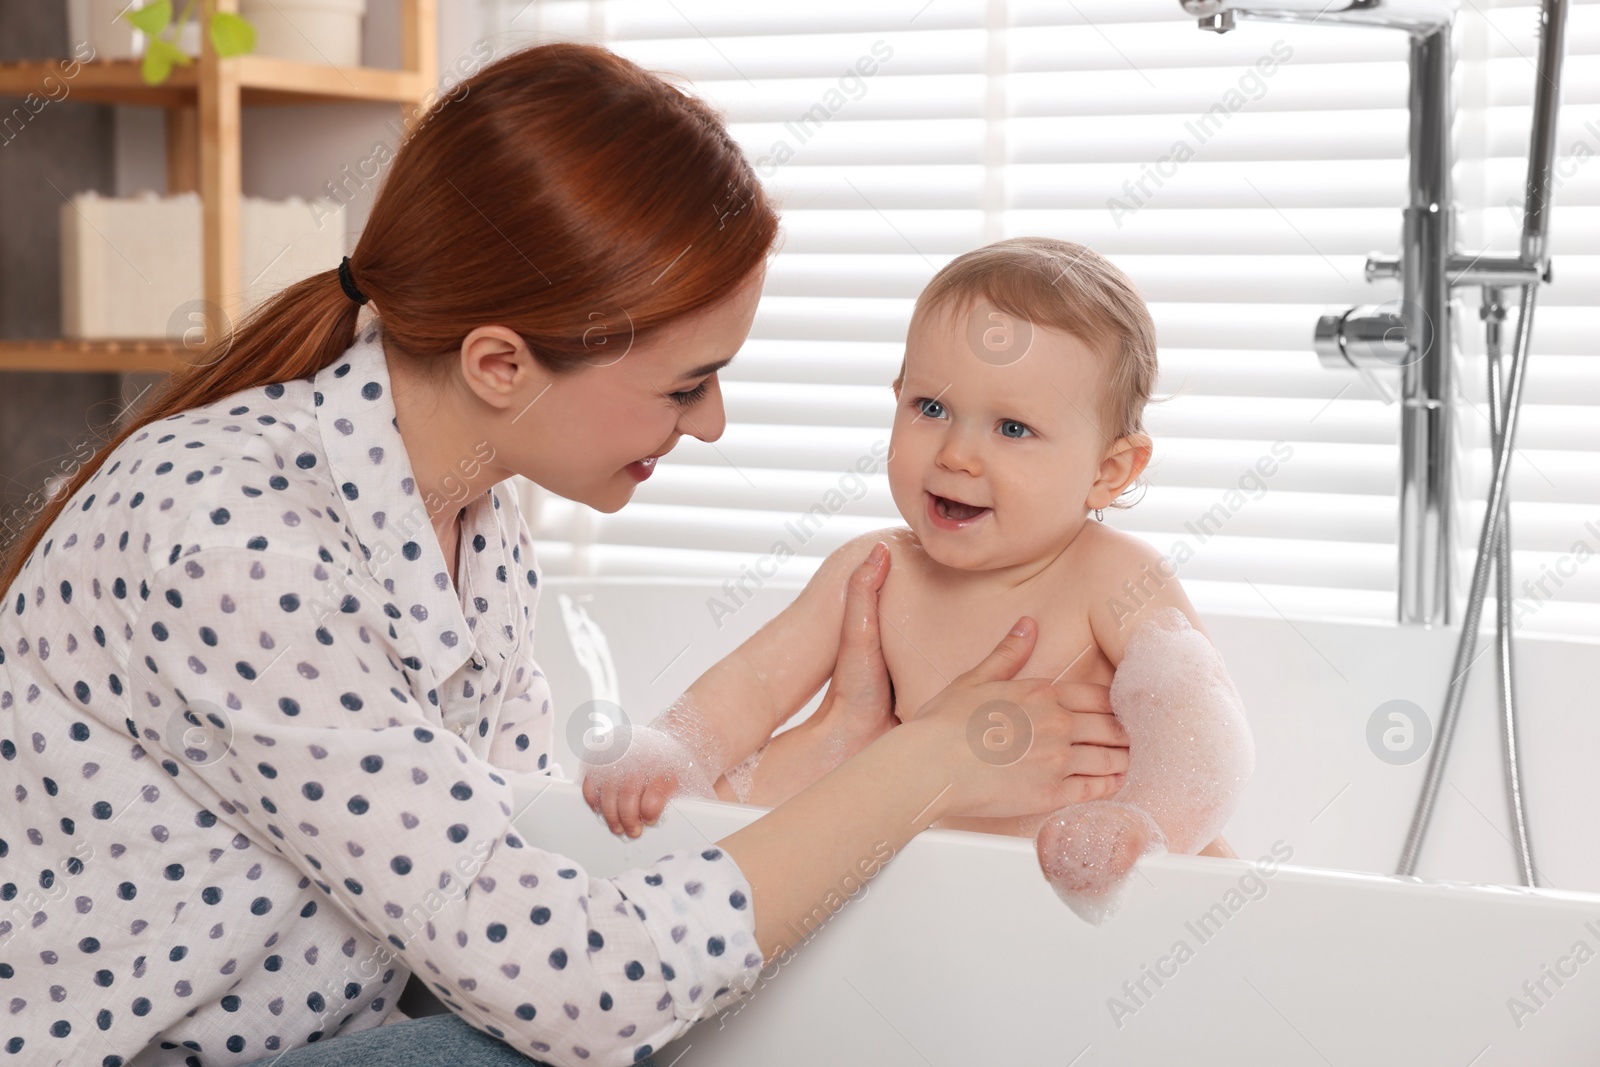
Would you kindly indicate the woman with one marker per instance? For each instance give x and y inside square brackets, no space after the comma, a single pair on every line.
[263,661]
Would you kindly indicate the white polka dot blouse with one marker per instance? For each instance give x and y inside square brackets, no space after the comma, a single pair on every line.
[251,739]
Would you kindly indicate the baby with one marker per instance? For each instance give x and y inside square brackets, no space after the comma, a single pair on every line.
[1028,365]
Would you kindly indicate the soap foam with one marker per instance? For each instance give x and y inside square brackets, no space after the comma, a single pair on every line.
[1190,754]
[678,742]
[741,778]
[1087,850]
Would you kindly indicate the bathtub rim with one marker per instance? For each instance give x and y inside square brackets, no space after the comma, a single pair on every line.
[1486,629]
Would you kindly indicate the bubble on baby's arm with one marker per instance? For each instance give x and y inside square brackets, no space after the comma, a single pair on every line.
[1087,851]
[654,754]
[599,733]
[741,778]
[1190,755]
[698,740]
[679,742]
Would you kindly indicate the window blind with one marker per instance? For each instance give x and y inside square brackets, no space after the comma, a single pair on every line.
[1554,482]
[1240,180]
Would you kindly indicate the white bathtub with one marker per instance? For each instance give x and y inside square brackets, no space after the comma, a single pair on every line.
[959,953]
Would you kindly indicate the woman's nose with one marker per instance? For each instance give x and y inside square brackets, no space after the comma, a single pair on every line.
[707,419]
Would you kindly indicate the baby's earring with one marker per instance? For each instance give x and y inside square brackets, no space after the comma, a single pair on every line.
[1099,515]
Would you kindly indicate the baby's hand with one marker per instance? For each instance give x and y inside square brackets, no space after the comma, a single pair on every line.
[629,803]
[631,791]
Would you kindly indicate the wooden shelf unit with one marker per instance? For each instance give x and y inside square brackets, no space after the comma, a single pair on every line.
[203,103]
[262,80]
[124,356]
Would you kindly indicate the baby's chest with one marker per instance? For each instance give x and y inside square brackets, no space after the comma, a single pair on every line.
[929,641]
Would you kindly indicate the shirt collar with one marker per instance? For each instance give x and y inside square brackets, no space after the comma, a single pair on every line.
[387,514]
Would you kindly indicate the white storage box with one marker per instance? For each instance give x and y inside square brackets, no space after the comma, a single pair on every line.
[312,31]
[98,23]
[132,267]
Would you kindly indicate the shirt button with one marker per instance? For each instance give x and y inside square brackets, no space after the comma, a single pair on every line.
[460,729]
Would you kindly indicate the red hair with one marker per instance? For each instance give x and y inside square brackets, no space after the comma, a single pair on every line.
[562,192]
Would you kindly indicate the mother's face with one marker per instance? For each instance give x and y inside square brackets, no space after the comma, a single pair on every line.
[594,433]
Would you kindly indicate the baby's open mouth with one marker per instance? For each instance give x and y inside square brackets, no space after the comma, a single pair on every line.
[954,511]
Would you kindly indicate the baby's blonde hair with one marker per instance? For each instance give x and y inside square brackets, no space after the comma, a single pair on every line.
[1068,287]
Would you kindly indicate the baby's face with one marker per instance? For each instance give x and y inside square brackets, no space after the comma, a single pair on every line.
[992,461]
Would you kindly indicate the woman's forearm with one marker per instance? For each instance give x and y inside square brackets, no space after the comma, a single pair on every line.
[805,858]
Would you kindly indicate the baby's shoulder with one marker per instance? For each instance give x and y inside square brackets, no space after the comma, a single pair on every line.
[1104,556]
[836,569]
[901,542]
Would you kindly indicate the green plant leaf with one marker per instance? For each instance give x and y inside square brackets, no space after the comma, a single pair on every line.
[232,35]
[159,58]
[152,18]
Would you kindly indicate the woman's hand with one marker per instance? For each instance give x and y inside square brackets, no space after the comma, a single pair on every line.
[822,837]
[1029,746]
[858,707]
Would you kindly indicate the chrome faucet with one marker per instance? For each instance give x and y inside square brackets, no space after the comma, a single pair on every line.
[1415,333]
[1414,16]
[1418,338]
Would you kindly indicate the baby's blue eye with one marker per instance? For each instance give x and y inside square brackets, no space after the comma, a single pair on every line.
[1013,428]
[931,408]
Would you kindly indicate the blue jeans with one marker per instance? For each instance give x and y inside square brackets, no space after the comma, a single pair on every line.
[433,1041]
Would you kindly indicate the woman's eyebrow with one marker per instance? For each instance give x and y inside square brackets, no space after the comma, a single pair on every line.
[709,368]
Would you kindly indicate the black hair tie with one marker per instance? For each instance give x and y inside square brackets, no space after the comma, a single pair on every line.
[348,284]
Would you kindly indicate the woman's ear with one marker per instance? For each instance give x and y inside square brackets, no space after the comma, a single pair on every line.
[498,366]
[1124,461]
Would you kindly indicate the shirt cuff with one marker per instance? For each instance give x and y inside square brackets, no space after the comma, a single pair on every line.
[696,906]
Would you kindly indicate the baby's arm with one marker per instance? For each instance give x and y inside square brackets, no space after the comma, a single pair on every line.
[734,707]
[1116,612]
[1191,752]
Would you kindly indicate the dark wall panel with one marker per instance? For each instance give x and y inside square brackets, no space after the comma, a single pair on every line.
[65,148]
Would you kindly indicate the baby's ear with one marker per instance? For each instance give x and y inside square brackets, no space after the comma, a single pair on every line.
[1125,459]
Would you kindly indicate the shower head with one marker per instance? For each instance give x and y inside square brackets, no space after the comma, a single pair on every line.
[1413,16]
